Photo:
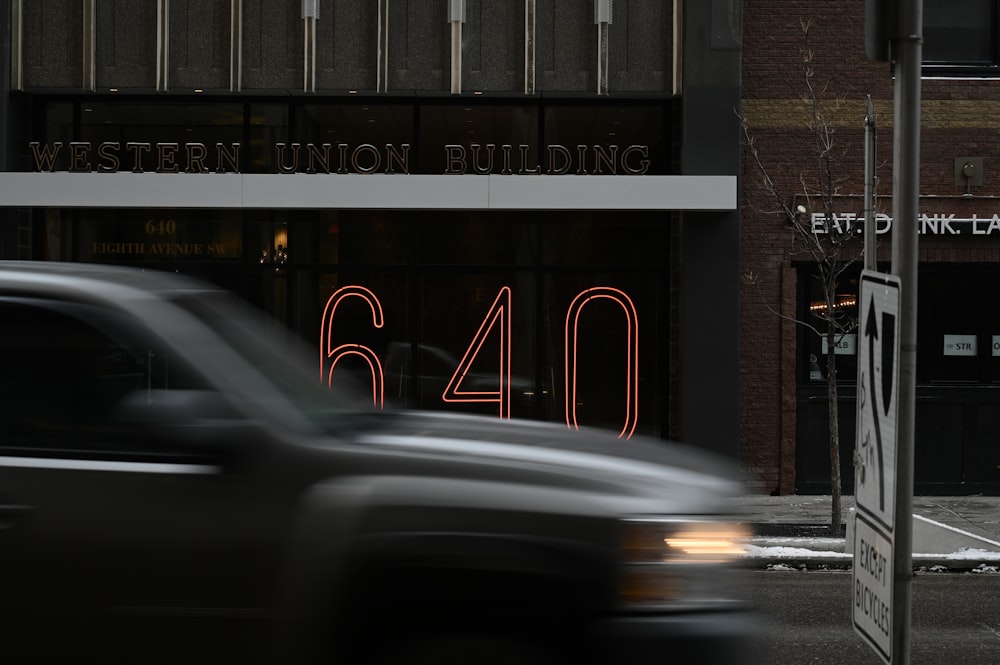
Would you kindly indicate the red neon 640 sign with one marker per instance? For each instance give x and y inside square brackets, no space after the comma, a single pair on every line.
[497,318]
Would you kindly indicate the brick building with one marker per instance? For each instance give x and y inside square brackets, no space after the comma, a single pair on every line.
[784,422]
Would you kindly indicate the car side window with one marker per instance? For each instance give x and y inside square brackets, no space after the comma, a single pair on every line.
[66,371]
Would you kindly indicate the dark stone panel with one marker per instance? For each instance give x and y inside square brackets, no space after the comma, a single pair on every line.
[566,46]
[419,45]
[640,46]
[52,40]
[493,46]
[272,45]
[347,46]
[126,44]
[709,320]
[199,44]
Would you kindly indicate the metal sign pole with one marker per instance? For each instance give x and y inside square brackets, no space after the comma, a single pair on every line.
[871,246]
[905,198]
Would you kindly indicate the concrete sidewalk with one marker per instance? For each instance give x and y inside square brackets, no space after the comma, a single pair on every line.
[955,533]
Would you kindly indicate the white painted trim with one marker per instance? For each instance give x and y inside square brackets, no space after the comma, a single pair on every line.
[62,189]
[590,192]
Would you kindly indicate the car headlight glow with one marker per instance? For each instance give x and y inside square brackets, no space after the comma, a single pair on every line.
[676,563]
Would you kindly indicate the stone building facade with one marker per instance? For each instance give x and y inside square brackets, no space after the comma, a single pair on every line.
[442,167]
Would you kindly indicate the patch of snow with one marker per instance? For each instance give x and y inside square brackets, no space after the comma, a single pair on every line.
[827,548]
[781,552]
[803,541]
[964,554]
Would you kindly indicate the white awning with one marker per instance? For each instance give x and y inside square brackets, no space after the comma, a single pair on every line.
[63,189]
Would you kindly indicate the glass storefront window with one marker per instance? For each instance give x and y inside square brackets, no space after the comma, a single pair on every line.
[598,138]
[427,310]
[439,309]
[475,128]
[959,327]
[364,238]
[59,122]
[472,337]
[814,314]
[157,236]
[360,136]
[601,332]
[478,237]
[346,127]
[456,330]
[606,238]
[151,125]
[362,319]
[267,126]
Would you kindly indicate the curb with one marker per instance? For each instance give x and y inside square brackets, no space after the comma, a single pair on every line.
[922,563]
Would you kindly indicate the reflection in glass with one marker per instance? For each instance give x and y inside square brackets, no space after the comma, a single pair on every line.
[469,125]
[164,123]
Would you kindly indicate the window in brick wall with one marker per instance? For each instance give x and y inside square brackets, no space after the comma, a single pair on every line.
[961,38]
[958,326]
[813,311]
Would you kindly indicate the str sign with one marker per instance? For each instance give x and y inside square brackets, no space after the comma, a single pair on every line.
[875,459]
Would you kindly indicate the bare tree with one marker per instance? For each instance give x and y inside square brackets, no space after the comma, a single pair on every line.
[831,244]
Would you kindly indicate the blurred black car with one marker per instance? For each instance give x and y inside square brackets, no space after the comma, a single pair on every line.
[177,486]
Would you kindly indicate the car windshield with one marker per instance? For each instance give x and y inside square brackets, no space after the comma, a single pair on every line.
[281,358]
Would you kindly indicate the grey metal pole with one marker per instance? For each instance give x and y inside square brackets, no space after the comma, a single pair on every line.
[871,246]
[905,200]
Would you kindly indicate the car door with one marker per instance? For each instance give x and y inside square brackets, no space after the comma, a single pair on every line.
[125,544]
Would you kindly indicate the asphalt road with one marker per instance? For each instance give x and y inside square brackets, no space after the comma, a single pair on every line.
[806,618]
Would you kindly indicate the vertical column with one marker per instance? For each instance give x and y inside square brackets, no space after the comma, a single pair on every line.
[382,56]
[89,45]
[709,308]
[236,45]
[11,223]
[15,223]
[456,16]
[310,14]
[529,47]
[603,10]
[16,55]
[678,43]
[162,44]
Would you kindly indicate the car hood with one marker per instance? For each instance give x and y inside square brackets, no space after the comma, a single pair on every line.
[546,454]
